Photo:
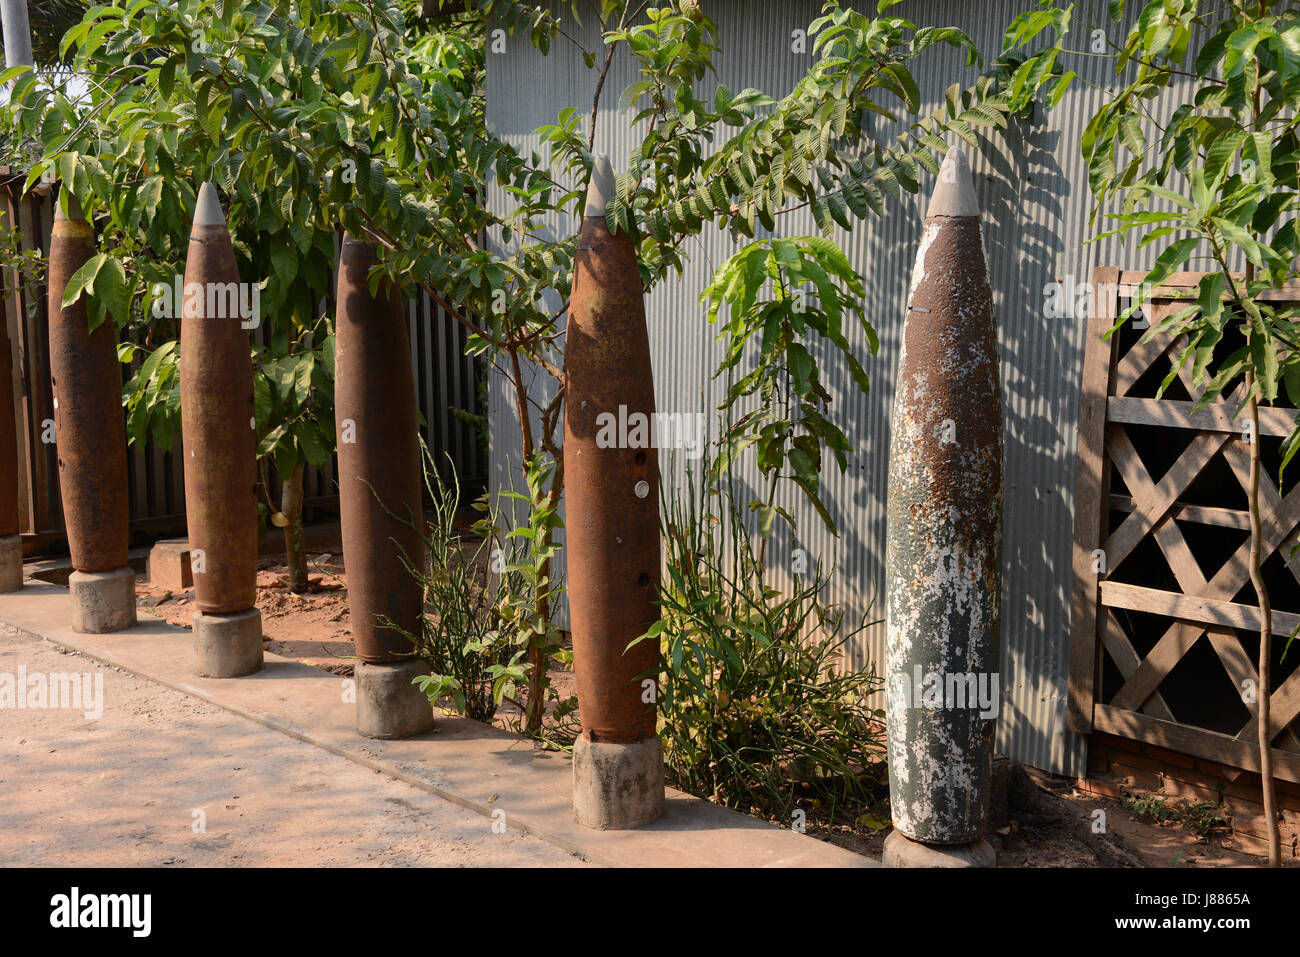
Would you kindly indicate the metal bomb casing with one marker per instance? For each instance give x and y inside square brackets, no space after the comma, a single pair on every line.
[8,439]
[944,529]
[377,420]
[89,424]
[611,494]
[217,419]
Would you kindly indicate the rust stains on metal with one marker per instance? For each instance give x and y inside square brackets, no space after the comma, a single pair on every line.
[217,420]
[611,493]
[89,425]
[376,418]
[8,437]
[944,531]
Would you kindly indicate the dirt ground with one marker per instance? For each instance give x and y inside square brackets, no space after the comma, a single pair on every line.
[314,628]
[1048,824]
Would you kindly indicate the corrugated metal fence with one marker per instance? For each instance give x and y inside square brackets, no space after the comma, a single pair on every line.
[1032,185]
[446,380]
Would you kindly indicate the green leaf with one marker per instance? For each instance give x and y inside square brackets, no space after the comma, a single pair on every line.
[1130,130]
[83,280]
[906,87]
[114,291]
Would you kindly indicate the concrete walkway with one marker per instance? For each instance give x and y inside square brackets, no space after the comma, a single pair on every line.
[162,778]
[479,768]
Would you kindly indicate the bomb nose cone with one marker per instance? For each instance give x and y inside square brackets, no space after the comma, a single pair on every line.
[208,211]
[601,188]
[75,212]
[954,194]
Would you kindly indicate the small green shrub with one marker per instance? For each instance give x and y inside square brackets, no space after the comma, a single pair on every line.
[480,589]
[756,711]
[1200,817]
[463,633]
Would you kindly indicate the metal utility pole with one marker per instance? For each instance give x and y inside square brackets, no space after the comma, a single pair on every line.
[17,33]
[18,52]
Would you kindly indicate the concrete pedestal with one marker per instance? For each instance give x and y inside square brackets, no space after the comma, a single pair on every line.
[618,786]
[389,705]
[169,565]
[103,601]
[11,563]
[901,851]
[227,646]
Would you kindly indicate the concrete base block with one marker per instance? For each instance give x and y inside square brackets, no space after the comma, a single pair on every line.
[11,563]
[388,704]
[902,851]
[618,786]
[169,565]
[103,601]
[227,646]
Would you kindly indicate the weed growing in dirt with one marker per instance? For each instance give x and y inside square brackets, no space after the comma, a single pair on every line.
[480,617]
[1200,817]
[462,633]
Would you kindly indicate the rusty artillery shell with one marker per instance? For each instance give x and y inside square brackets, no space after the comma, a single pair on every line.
[944,530]
[8,438]
[611,494]
[90,429]
[217,420]
[377,421]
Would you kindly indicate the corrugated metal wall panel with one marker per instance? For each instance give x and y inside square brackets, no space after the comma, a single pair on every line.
[1033,190]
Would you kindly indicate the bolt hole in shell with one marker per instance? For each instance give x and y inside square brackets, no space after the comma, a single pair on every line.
[639,458]
[644,580]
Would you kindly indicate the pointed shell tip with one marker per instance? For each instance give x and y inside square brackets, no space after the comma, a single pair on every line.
[208,211]
[74,212]
[601,188]
[954,193]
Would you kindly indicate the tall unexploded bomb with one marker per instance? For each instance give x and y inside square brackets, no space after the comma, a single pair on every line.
[89,427]
[90,431]
[377,422]
[379,456]
[944,531]
[220,442]
[611,528]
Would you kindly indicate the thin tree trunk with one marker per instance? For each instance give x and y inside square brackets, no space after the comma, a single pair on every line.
[1265,643]
[1263,709]
[295,554]
[537,673]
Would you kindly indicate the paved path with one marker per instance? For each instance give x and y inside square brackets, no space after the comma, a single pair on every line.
[133,786]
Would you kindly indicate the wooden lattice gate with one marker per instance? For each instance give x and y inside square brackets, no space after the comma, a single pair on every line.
[1164,624]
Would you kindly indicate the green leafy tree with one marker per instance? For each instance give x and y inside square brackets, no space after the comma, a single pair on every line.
[1225,165]
[789,428]
[330,110]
